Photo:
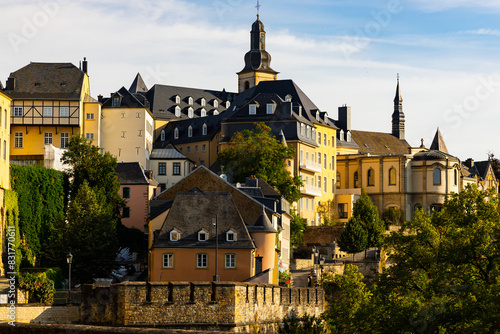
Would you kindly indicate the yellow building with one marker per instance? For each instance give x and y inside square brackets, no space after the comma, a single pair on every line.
[5,102]
[50,103]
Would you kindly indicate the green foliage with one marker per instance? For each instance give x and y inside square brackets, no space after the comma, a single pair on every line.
[392,216]
[41,201]
[131,238]
[40,288]
[367,214]
[297,227]
[256,152]
[327,213]
[56,276]
[306,324]
[285,278]
[495,164]
[12,234]
[354,238]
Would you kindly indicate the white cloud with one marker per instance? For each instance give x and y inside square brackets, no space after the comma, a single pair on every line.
[440,5]
[488,32]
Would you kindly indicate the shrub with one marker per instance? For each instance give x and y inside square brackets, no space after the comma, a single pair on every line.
[306,324]
[40,288]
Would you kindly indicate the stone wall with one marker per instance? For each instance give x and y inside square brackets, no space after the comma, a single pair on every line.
[301,264]
[202,305]
[36,313]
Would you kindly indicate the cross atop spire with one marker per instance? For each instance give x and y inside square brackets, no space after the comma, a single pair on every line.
[258,8]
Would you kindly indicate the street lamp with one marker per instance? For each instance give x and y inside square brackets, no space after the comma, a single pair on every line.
[69,259]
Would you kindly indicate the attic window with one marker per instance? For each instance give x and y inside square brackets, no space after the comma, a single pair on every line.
[177,99]
[176,133]
[216,104]
[228,104]
[203,102]
[190,131]
[116,101]
[63,84]
[288,98]
[202,235]
[175,235]
[252,109]
[216,112]
[317,116]
[177,111]
[37,84]
[190,112]
[230,236]
[203,113]
[190,100]
[204,130]
[270,108]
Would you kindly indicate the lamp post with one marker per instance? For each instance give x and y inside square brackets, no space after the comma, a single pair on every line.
[69,259]
[216,224]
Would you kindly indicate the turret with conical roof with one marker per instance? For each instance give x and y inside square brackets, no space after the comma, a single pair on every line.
[257,60]
[398,117]
[438,143]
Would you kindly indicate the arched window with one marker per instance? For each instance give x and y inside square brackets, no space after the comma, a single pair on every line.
[338,180]
[190,100]
[204,129]
[203,102]
[437,176]
[392,176]
[203,112]
[190,131]
[247,85]
[176,133]
[177,99]
[455,177]
[190,112]
[371,177]
[356,180]
[162,135]
[177,111]
[216,104]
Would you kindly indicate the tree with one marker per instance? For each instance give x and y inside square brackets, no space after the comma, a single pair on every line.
[297,227]
[367,214]
[495,163]
[354,238]
[327,213]
[256,152]
[392,216]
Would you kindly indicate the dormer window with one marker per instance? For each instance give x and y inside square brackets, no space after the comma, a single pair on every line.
[252,109]
[204,130]
[190,100]
[202,235]
[175,235]
[317,115]
[116,101]
[190,112]
[228,104]
[177,111]
[216,112]
[203,102]
[190,131]
[216,104]
[348,136]
[177,99]
[162,135]
[288,98]
[176,133]
[203,113]
[270,108]
[230,236]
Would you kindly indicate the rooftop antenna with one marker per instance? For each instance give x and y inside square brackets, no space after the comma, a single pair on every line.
[258,8]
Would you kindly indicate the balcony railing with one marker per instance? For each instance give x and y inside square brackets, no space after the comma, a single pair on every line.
[310,190]
[311,166]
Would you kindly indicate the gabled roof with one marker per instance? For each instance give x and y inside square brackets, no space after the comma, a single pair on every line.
[378,143]
[195,211]
[61,81]
[138,86]
[131,173]
[128,100]
[167,153]
[438,143]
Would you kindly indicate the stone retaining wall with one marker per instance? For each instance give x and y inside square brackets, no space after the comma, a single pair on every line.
[36,313]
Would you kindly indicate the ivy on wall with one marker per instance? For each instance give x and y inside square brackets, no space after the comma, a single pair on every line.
[12,225]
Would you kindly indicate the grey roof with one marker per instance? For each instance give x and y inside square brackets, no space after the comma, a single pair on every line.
[438,143]
[167,153]
[138,86]
[263,224]
[127,100]
[193,211]
[61,81]
[156,208]
[379,143]
[130,173]
[433,155]
[162,100]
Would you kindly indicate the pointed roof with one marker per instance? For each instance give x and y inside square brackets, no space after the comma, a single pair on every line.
[263,224]
[138,86]
[438,143]
[398,97]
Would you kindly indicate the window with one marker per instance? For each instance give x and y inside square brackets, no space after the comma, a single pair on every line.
[319,158]
[190,112]
[325,184]
[64,139]
[47,111]
[168,260]
[202,236]
[216,104]
[203,102]
[47,138]
[319,138]
[455,177]
[371,177]
[18,111]
[302,130]
[190,100]
[204,130]
[188,151]
[392,176]
[270,108]
[4,150]
[162,135]
[64,112]
[230,261]
[177,99]
[216,112]
[90,116]
[195,148]
[190,131]
[201,261]
[230,236]
[176,133]
[228,104]
[338,180]
[176,168]
[324,161]
[126,212]
[288,98]
[343,214]
[203,113]
[89,136]
[175,235]
[319,182]
[356,180]
[204,148]
[162,168]
[437,176]
[126,192]
[177,111]
[252,109]
[116,101]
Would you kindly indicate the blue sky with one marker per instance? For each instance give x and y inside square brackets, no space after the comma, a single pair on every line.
[338,52]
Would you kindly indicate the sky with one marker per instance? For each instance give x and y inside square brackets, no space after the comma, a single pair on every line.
[337,51]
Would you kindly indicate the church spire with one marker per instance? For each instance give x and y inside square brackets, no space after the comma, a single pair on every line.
[398,117]
[257,60]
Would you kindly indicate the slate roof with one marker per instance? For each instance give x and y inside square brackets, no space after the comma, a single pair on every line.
[138,86]
[61,81]
[438,143]
[128,100]
[263,224]
[477,168]
[131,173]
[162,100]
[191,212]
[156,208]
[378,143]
[433,155]
[167,153]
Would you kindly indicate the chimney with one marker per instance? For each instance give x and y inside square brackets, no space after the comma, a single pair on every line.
[11,84]
[100,98]
[251,182]
[345,118]
[469,162]
[84,65]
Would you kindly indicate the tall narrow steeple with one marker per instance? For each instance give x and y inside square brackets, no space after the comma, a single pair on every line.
[257,60]
[398,117]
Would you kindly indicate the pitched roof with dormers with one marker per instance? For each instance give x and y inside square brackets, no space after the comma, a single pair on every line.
[163,101]
[378,143]
[127,100]
[61,81]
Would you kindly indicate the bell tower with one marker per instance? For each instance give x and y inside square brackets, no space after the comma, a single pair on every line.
[398,117]
[257,60]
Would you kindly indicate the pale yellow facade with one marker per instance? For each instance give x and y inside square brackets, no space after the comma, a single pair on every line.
[5,103]
[251,79]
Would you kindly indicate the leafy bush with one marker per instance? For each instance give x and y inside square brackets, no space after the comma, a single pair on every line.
[306,324]
[40,288]
[56,276]
[285,278]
